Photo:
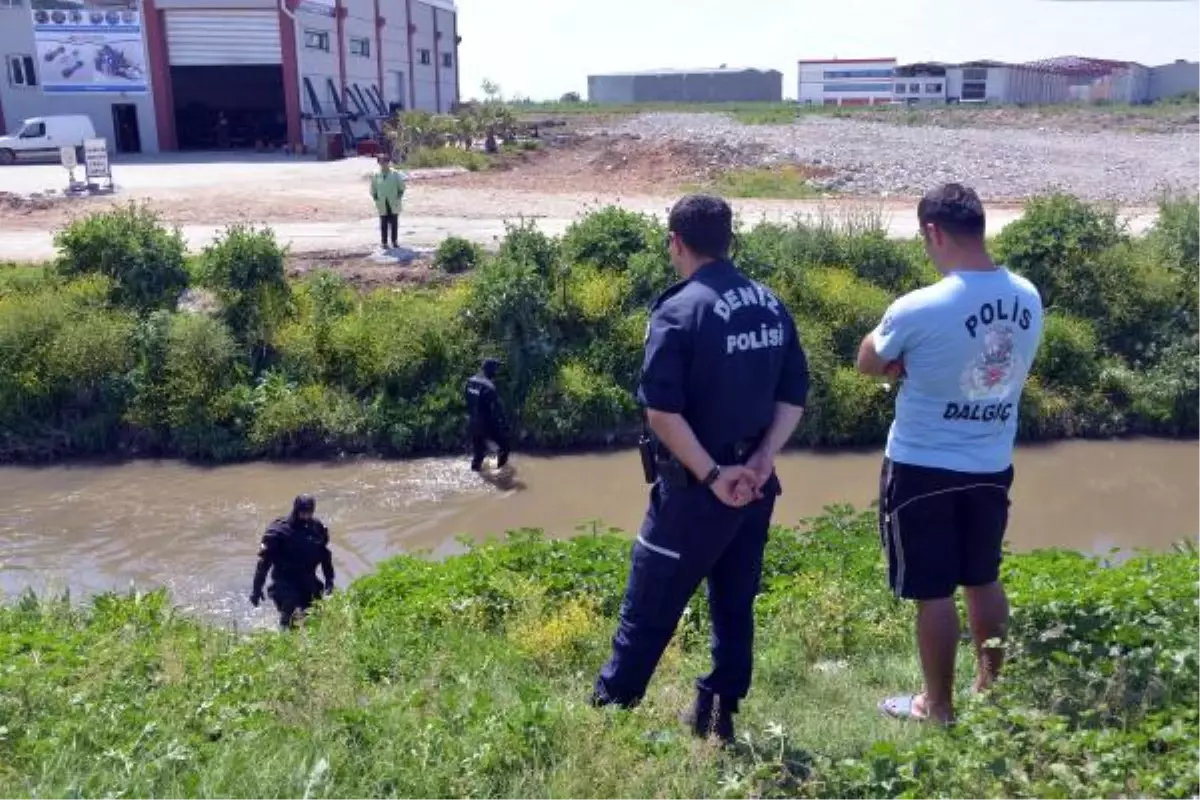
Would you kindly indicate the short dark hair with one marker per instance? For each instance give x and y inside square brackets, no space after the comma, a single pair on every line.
[704,224]
[954,208]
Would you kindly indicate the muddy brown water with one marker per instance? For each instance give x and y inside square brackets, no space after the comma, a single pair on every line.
[196,530]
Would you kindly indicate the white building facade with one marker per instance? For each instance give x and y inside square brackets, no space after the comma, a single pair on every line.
[846,81]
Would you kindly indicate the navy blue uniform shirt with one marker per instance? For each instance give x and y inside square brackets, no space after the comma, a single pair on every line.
[721,350]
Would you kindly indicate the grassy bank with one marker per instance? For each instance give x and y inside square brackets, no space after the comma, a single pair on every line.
[469,677]
[95,358]
[1181,109]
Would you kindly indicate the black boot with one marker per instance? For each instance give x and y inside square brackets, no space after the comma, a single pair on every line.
[711,715]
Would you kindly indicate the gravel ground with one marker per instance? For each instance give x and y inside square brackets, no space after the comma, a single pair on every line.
[880,159]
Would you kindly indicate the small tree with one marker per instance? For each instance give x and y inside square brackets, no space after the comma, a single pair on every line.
[570,97]
[245,267]
[131,246]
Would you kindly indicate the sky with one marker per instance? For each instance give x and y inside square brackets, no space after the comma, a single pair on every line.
[544,48]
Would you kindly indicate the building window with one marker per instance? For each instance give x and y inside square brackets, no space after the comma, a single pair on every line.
[426,57]
[317,40]
[360,47]
[914,88]
[974,90]
[21,72]
[975,74]
[900,87]
[933,88]
[857,73]
[858,87]
[447,60]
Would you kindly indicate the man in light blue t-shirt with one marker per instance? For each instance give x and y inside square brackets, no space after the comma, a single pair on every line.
[962,348]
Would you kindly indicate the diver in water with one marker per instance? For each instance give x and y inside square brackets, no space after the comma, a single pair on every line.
[485,416]
[292,549]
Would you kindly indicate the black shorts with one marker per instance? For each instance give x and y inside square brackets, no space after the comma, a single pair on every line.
[941,529]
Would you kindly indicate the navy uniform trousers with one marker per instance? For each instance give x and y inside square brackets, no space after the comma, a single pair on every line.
[689,535]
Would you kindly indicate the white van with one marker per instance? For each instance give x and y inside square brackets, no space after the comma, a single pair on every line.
[41,138]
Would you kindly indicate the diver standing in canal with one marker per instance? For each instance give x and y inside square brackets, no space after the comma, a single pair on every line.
[292,549]
[485,416]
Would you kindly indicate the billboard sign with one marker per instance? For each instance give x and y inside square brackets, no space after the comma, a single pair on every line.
[89,46]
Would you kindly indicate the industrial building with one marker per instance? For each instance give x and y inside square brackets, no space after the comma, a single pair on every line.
[846,81]
[196,74]
[718,85]
[873,81]
[1174,79]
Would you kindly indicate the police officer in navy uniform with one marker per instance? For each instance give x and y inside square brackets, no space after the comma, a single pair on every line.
[292,549]
[485,416]
[723,383]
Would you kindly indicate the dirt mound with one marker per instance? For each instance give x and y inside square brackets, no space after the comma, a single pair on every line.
[366,271]
[619,164]
[21,205]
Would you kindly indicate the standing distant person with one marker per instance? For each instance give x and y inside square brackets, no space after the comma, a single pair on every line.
[387,190]
[724,382]
[485,416]
[963,348]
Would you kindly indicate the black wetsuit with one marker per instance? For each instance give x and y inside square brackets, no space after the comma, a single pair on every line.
[485,418]
[291,550]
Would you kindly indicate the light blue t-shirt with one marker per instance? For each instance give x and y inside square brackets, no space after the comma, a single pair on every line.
[967,343]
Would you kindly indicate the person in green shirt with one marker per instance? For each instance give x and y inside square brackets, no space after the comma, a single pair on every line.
[387,190]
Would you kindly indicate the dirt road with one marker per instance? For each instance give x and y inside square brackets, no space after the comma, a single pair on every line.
[320,206]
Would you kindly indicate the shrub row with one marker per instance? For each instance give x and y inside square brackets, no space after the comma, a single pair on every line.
[96,355]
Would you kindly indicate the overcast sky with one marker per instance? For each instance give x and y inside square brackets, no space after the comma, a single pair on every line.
[543,48]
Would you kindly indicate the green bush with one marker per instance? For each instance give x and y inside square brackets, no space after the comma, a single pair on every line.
[1068,355]
[245,267]
[610,237]
[1056,244]
[444,157]
[130,246]
[456,254]
[321,369]
[525,244]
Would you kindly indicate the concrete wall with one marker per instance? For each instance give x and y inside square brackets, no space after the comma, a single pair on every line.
[424,75]
[318,66]
[446,58]
[18,103]
[1174,79]
[396,86]
[362,71]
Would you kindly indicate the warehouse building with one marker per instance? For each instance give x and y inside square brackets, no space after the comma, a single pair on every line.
[997,82]
[719,85]
[1174,79]
[846,81]
[195,74]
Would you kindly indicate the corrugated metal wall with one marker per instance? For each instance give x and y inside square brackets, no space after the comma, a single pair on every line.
[687,87]
[198,38]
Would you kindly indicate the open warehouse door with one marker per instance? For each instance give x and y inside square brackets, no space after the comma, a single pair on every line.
[226,79]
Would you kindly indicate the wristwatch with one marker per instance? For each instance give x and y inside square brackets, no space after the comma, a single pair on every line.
[712,476]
